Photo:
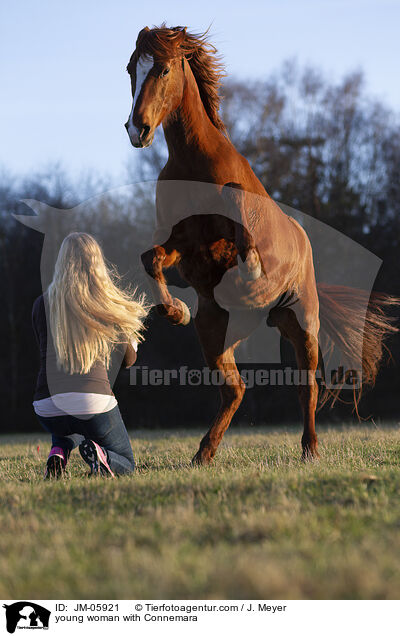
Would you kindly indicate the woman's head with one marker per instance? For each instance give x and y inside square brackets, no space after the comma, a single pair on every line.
[80,256]
[89,313]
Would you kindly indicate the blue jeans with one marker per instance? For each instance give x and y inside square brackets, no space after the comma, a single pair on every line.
[106,429]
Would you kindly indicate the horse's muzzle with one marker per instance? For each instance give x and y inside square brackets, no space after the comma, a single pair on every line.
[139,137]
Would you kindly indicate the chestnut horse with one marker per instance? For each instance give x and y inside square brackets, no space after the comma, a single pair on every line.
[228,239]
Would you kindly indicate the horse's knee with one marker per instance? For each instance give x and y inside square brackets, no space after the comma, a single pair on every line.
[153,260]
[233,390]
[249,264]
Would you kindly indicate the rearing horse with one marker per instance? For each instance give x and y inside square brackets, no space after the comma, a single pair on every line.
[228,239]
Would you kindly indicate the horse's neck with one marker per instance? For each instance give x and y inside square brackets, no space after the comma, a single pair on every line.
[188,131]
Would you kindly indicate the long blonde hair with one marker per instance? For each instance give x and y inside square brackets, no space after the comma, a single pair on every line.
[89,313]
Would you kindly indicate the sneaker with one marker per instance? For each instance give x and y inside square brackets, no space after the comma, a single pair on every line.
[56,463]
[95,456]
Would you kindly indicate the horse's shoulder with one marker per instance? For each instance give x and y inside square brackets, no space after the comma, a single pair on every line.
[249,179]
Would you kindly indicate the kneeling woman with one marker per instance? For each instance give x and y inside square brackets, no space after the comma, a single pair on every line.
[92,323]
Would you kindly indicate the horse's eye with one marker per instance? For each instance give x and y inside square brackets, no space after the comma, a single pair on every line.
[165,71]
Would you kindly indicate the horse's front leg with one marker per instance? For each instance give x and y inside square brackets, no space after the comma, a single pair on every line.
[249,262]
[154,261]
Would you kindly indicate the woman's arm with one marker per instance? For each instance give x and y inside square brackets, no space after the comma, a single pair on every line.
[130,354]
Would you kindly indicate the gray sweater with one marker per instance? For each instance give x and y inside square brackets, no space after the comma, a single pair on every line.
[52,380]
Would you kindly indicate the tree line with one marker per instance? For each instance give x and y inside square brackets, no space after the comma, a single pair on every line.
[325,148]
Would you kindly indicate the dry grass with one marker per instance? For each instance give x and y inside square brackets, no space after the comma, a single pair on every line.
[256,524]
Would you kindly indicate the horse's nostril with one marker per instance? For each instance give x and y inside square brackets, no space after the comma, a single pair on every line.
[126,125]
[144,132]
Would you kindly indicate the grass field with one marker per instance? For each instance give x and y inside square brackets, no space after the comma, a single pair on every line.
[257,524]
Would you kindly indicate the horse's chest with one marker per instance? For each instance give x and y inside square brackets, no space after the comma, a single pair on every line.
[204,264]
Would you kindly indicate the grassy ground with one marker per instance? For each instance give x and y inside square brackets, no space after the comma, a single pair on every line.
[257,524]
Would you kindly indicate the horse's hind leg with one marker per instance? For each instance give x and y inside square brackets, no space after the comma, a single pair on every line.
[306,348]
[211,323]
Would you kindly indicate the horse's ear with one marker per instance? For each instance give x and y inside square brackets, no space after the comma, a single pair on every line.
[141,34]
[180,36]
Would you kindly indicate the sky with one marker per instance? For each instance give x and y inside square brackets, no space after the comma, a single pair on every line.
[65,93]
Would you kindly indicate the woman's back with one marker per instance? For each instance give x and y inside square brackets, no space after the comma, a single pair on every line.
[52,379]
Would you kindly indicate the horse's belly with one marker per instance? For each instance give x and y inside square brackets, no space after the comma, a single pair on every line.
[213,272]
[235,292]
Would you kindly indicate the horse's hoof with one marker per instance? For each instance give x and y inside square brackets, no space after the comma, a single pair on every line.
[202,458]
[186,317]
[309,455]
[250,269]
[180,314]
[176,314]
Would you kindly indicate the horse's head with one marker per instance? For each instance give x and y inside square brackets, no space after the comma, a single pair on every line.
[156,69]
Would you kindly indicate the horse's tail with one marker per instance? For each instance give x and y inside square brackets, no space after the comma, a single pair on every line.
[358,324]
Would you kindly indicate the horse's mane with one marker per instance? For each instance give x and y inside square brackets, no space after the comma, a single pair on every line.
[163,43]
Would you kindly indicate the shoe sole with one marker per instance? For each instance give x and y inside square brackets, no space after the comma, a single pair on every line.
[54,468]
[90,455]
